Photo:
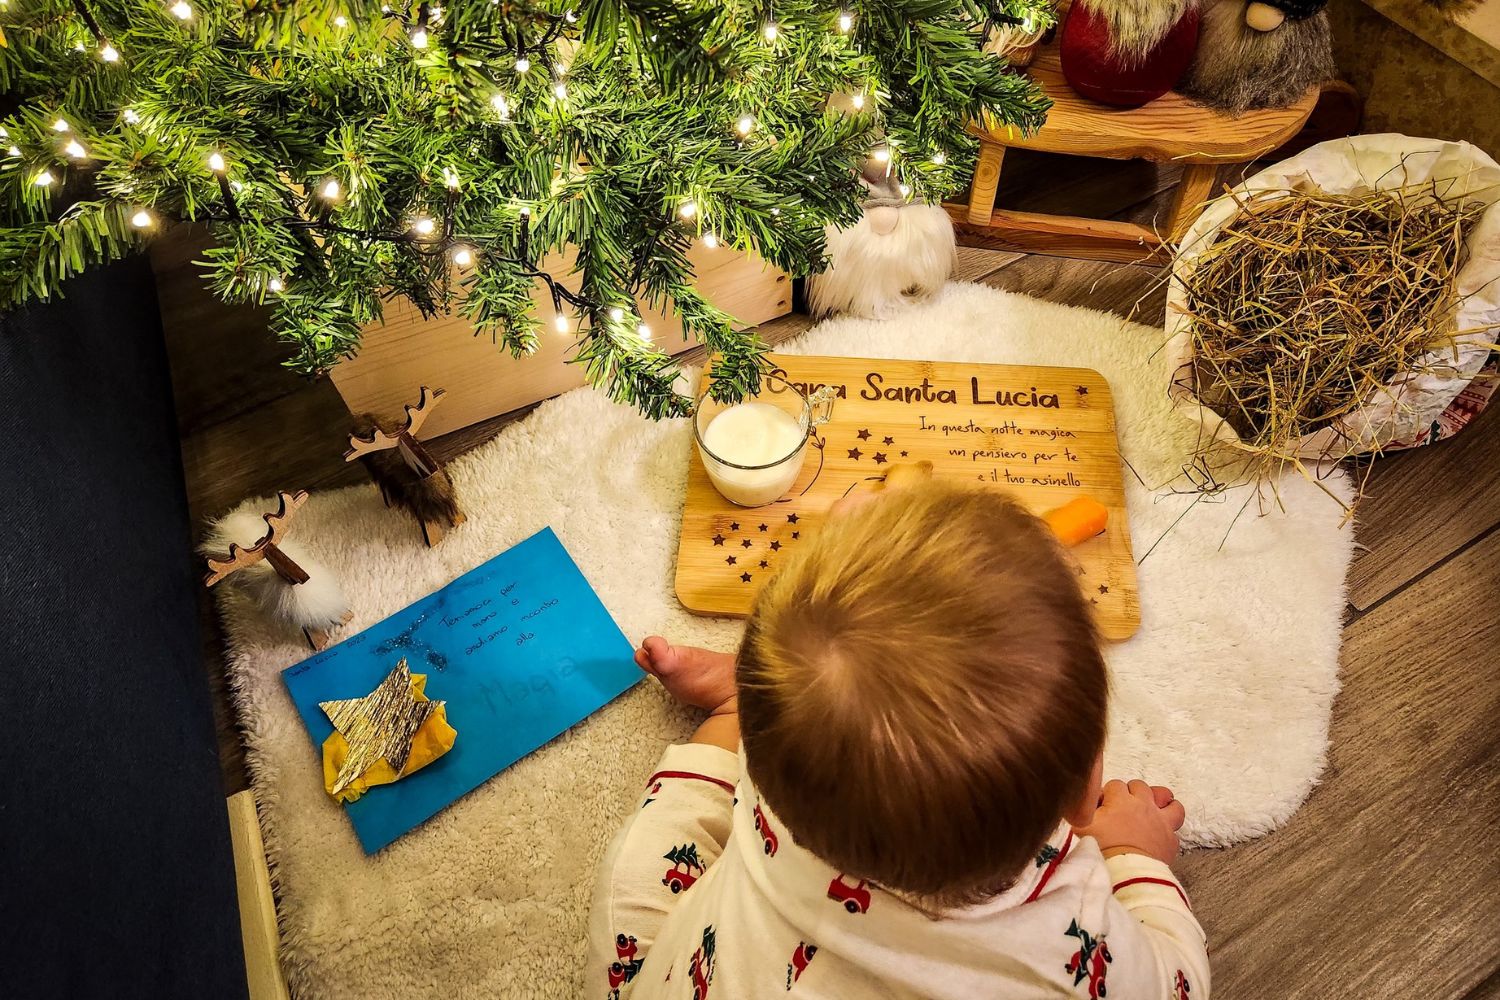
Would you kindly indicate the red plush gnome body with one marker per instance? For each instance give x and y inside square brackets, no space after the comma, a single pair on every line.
[1128,52]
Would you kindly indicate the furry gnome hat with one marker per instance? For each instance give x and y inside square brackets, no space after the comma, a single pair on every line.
[1259,54]
[899,252]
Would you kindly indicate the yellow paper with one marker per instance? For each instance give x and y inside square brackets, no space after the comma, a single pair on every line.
[433,739]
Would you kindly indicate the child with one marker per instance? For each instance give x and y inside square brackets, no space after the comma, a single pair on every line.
[896,792]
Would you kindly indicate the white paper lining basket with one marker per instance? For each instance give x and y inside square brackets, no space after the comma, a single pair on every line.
[1401,413]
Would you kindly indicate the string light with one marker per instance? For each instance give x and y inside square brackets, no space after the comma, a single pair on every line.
[61,125]
[419,38]
[216,163]
[43,179]
[463,256]
[771,31]
[182,10]
[341,21]
[131,116]
[569,16]
[846,21]
[523,64]
[423,226]
[501,106]
[643,331]
[75,150]
[450,178]
[616,314]
[905,190]
[710,240]
[744,125]
[858,100]
[13,151]
[688,209]
[331,189]
[560,90]
[142,219]
[525,211]
[939,158]
[560,323]
[881,155]
[276,285]
[109,53]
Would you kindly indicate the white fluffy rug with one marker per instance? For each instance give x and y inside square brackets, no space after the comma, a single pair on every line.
[1224,694]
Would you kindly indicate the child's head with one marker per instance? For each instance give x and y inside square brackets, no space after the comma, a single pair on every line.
[922,696]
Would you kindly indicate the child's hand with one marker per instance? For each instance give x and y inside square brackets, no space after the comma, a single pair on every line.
[1137,818]
[694,676]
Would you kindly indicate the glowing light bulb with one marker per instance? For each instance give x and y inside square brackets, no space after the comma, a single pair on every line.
[523,65]
[341,21]
[858,100]
[710,240]
[525,211]
[561,91]
[616,314]
[905,190]
[771,31]
[75,150]
[463,256]
[560,323]
[501,106]
[216,163]
[744,125]
[142,219]
[79,47]
[61,125]
[419,38]
[109,53]
[450,178]
[881,155]
[569,16]
[182,10]
[42,179]
[131,116]
[775,211]
[939,158]
[276,285]
[13,151]
[331,189]
[423,226]
[688,209]
[846,21]
[644,331]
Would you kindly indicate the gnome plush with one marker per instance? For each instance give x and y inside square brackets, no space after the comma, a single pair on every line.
[1260,54]
[1128,52]
[898,253]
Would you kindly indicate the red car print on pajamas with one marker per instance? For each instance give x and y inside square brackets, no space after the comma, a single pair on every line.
[686,868]
[800,960]
[623,969]
[856,898]
[767,835]
[1090,962]
[1182,986]
[702,967]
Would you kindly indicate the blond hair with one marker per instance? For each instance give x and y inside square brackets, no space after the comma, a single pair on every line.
[922,695]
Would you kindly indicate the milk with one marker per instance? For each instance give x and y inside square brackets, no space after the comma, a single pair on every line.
[753,434]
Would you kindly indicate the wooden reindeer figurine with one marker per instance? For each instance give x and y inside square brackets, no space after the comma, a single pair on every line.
[407,474]
[277,573]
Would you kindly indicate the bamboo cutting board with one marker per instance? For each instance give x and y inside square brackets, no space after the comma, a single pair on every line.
[1046,435]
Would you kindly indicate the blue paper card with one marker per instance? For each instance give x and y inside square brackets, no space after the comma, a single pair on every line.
[520,648]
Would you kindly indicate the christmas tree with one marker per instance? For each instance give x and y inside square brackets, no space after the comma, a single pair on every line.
[344,152]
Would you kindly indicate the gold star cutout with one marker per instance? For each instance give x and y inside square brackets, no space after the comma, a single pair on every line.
[378,726]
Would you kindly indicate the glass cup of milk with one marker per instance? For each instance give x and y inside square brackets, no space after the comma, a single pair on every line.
[753,449]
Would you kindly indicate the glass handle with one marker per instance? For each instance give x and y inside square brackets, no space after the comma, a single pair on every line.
[820,405]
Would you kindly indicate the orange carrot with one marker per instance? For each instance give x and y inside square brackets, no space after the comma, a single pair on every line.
[1076,521]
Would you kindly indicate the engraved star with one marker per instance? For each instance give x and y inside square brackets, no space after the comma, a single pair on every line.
[745,543]
[379,726]
[854,453]
[734,526]
[888,440]
[718,539]
[880,458]
[1083,390]
[731,560]
[1103,589]
[796,534]
[775,546]
[863,435]
[1093,600]
[791,519]
[764,564]
[745,577]
[903,454]
[765,527]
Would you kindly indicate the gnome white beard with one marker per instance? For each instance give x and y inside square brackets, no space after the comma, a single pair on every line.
[318,604]
[889,259]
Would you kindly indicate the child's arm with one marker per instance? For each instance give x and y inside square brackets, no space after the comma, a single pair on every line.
[1158,944]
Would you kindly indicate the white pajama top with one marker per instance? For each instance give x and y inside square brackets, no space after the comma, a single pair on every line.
[703,896]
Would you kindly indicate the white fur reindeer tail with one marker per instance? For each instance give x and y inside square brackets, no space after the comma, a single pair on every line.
[318,604]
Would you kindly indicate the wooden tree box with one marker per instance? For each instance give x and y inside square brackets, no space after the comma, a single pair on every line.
[483,380]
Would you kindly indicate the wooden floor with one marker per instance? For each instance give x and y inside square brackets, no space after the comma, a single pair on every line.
[1385,885]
